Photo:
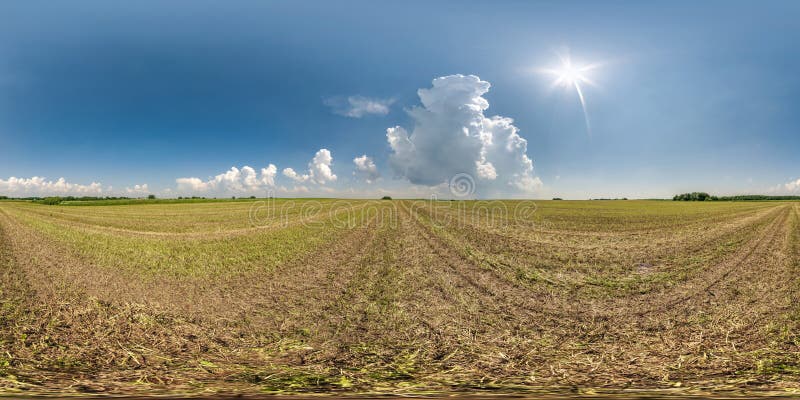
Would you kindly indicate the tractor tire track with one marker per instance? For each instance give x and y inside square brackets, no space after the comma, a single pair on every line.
[718,273]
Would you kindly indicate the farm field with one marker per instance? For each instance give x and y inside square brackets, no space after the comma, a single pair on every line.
[400,296]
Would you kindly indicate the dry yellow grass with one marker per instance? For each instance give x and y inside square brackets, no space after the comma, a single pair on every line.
[400,296]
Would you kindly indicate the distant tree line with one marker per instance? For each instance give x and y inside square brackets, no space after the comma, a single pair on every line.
[703,196]
[751,197]
[65,198]
[113,200]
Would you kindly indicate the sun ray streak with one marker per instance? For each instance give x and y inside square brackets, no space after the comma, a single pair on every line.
[583,106]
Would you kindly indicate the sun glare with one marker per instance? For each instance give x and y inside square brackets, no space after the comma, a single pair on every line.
[569,75]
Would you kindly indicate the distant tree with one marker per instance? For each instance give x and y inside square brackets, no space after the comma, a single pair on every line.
[557,198]
[51,201]
[252,197]
[3,197]
[151,196]
[386,198]
[694,196]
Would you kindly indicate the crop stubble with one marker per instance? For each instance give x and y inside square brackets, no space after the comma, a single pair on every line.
[579,294]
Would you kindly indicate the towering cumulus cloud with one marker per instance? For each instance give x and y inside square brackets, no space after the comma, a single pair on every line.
[319,169]
[452,136]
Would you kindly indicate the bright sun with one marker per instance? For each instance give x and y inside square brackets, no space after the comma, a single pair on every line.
[569,75]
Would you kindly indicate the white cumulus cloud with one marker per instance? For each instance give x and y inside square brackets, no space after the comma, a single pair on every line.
[791,187]
[293,175]
[138,189]
[366,169]
[319,169]
[191,184]
[39,186]
[358,106]
[451,136]
[268,175]
[234,180]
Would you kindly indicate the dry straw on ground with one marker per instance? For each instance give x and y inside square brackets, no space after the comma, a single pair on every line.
[588,295]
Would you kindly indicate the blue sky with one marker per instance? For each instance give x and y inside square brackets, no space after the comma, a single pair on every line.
[688,96]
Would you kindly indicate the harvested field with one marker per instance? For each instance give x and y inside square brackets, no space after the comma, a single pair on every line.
[400,296]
